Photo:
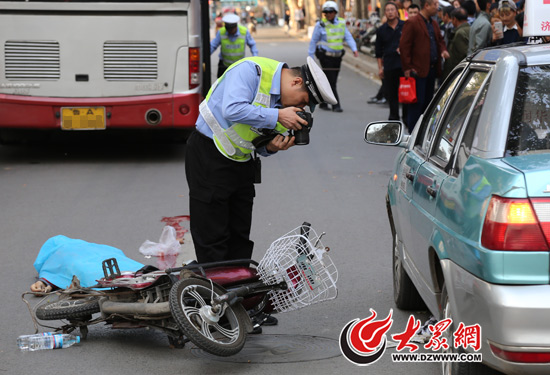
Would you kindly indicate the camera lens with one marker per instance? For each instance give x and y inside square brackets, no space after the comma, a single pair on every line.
[302,135]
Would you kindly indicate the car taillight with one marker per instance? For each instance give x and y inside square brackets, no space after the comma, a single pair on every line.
[522,357]
[194,67]
[513,224]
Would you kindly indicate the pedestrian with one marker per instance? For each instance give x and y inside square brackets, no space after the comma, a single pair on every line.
[406,5]
[327,44]
[458,49]
[298,18]
[471,9]
[232,38]
[413,10]
[510,32]
[287,21]
[255,96]
[448,28]
[387,55]
[481,33]
[401,11]
[422,48]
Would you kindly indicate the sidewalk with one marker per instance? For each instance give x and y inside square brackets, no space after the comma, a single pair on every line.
[363,64]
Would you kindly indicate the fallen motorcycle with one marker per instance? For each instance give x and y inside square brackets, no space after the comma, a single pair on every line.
[208,304]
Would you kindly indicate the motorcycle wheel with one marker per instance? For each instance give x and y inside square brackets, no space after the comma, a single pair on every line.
[190,300]
[68,308]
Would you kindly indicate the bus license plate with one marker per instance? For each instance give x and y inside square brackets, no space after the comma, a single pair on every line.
[83,118]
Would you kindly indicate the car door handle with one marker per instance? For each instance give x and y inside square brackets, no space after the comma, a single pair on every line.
[431,190]
[410,176]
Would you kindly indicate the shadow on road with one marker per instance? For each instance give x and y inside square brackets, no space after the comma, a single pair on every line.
[94,146]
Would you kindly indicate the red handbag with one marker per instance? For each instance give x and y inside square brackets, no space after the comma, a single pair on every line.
[407,90]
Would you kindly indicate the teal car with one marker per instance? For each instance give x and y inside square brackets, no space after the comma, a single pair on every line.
[469,208]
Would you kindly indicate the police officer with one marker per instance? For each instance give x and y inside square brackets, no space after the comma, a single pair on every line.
[254,96]
[327,43]
[232,38]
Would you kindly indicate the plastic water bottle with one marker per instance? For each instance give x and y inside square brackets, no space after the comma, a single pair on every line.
[56,341]
[23,341]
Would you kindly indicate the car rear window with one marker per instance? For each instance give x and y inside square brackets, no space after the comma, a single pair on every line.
[530,122]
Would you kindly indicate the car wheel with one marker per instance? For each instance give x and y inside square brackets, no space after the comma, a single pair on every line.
[405,295]
[458,368]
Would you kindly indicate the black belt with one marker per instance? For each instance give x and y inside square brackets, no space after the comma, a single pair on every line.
[202,136]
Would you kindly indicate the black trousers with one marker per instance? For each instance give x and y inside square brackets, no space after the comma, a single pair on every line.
[391,86]
[381,91]
[221,195]
[331,67]
[425,88]
[221,68]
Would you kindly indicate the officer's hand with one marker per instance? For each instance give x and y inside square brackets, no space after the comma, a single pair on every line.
[356,53]
[289,119]
[279,143]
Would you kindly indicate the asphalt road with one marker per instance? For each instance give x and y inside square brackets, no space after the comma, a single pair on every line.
[115,191]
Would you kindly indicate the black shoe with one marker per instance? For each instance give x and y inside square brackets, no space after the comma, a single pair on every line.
[373,100]
[382,101]
[337,109]
[262,319]
[324,107]
[256,330]
[270,321]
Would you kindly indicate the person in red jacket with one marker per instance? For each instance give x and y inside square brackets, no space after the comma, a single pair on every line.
[422,48]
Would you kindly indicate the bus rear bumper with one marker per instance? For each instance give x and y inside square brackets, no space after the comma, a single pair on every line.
[175,111]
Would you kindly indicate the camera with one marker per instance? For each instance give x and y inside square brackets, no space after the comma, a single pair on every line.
[302,135]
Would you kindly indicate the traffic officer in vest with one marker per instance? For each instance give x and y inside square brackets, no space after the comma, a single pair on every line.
[327,43]
[232,38]
[256,98]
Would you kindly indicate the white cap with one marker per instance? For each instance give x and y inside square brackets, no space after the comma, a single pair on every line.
[330,6]
[317,85]
[230,18]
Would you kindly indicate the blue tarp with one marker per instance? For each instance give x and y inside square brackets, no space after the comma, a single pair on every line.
[62,257]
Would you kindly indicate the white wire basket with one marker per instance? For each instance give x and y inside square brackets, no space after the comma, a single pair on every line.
[300,260]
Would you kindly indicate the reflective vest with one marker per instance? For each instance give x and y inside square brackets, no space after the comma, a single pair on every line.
[335,33]
[236,142]
[232,51]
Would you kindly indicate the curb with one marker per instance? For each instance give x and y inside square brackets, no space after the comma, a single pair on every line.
[367,66]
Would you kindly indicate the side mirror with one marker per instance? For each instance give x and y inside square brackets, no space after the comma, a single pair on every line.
[386,133]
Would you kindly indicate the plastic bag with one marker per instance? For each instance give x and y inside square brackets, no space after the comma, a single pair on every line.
[166,250]
[407,90]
